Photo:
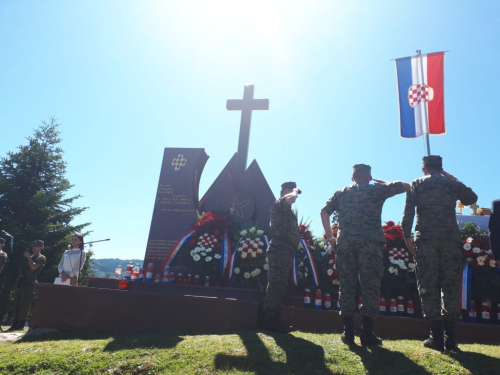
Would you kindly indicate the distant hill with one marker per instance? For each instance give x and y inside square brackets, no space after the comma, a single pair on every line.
[106,267]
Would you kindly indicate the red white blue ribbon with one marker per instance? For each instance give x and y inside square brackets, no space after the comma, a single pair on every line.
[295,272]
[233,259]
[226,255]
[175,250]
[465,295]
[312,264]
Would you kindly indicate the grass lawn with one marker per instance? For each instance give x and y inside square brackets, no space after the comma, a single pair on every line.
[242,353]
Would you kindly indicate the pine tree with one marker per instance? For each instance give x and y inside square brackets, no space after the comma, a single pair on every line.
[34,203]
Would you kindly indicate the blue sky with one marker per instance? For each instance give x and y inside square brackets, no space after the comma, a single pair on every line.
[128,78]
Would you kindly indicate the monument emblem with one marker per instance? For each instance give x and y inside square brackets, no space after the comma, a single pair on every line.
[179,162]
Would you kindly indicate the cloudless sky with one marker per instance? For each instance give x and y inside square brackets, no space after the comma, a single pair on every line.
[128,78]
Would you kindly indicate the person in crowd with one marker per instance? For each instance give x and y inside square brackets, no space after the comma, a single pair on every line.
[494,227]
[359,246]
[5,319]
[438,248]
[285,237]
[72,260]
[25,291]
[3,254]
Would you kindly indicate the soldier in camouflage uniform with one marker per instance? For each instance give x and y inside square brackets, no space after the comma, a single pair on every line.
[285,237]
[25,292]
[3,255]
[359,246]
[438,249]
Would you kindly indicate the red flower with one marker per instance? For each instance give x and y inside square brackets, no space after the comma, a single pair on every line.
[192,242]
[226,230]
[221,238]
[390,223]
[218,245]
[486,247]
[476,241]
[473,263]
[216,231]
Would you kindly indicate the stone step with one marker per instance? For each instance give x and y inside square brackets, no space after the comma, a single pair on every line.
[86,309]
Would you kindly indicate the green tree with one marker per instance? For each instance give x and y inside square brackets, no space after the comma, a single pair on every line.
[34,203]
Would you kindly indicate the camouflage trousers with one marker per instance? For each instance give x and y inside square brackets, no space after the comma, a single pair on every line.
[363,258]
[439,268]
[24,296]
[280,265]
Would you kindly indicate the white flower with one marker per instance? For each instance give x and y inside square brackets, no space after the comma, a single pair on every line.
[492,262]
[245,245]
[396,271]
[217,256]
[480,260]
[259,251]
[335,266]
[257,271]
[197,249]
[336,281]
[192,252]
[208,259]
[305,274]
[248,239]
[391,269]
[254,255]
[476,250]
[247,275]
[243,233]
[411,265]
[489,252]
[237,270]
[252,230]
[196,257]
[267,260]
[266,266]
[203,253]
[423,290]
[261,243]
[243,255]
[321,244]
[467,246]
[260,232]
[329,272]
[253,273]
[311,247]
[255,245]
[469,260]
[330,261]
[469,239]
[215,239]
[208,250]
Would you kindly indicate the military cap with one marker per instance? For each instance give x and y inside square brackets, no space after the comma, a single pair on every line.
[289,185]
[360,167]
[37,243]
[432,160]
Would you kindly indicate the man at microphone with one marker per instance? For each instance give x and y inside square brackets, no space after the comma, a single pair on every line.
[25,291]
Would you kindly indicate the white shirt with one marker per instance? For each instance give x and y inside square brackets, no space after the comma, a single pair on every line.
[72,262]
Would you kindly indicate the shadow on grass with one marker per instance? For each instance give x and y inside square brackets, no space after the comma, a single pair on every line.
[477,363]
[302,356]
[162,340]
[378,360]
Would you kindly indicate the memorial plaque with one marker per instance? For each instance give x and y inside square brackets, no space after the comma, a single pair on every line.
[176,206]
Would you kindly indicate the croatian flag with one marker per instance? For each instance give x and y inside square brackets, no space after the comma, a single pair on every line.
[421,94]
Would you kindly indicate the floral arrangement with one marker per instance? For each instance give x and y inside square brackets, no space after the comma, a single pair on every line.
[399,265]
[477,250]
[250,263]
[303,276]
[485,272]
[202,253]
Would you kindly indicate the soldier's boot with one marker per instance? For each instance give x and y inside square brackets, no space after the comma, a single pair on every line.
[275,326]
[348,335]
[21,324]
[449,336]
[435,340]
[13,327]
[368,337]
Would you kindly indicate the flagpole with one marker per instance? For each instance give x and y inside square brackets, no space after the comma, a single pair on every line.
[424,100]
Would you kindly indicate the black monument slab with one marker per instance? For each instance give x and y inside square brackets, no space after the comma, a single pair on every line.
[176,205]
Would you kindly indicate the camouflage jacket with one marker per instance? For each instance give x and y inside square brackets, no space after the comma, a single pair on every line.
[284,226]
[359,207]
[29,276]
[435,197]
[3,259]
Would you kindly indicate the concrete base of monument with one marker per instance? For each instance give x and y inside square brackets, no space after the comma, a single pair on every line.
[385,326]
[148,307]
[85,309]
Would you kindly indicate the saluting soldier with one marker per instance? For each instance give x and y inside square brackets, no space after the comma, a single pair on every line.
[437,249]
[285,237]
[359,246]
[25,292]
